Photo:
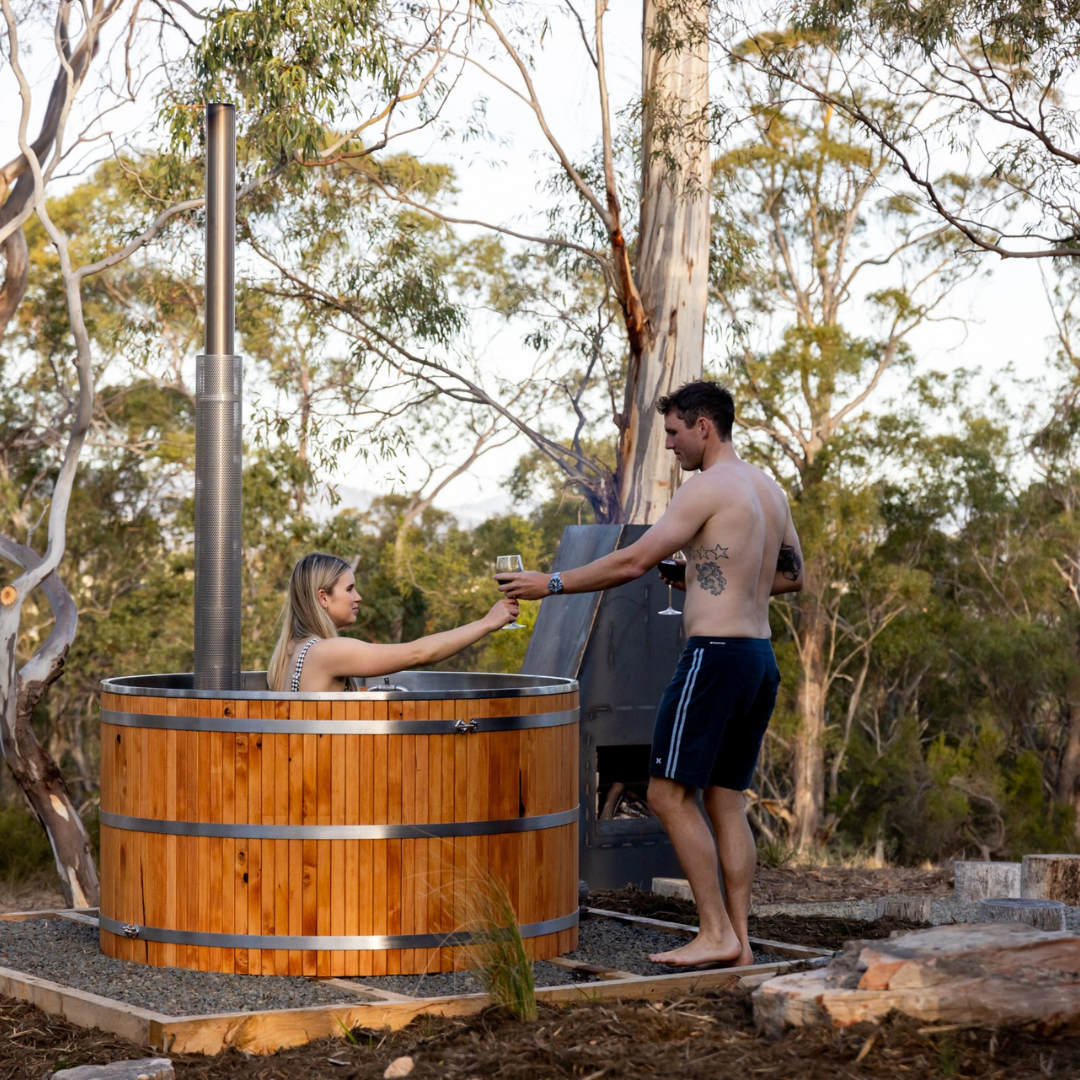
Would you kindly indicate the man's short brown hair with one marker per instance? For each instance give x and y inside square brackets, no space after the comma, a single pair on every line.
[701,398]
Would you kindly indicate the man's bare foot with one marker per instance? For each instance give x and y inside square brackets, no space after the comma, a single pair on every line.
[698,951]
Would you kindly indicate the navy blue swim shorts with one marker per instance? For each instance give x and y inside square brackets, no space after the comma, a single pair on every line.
[713,715]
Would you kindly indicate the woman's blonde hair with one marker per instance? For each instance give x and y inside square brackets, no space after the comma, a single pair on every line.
[303,616]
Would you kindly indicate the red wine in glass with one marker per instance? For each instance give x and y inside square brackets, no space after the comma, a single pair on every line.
[672,570]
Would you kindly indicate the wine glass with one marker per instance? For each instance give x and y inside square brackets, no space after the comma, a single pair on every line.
[509,564]
[674,570]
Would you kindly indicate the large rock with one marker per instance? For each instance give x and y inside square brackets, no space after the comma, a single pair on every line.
[990,974]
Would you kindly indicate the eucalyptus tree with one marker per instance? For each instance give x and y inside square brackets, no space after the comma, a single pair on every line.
[165,196]
[657,272]
[653,274]
[828,272]
[1054,501]
[996,86]
[77,33]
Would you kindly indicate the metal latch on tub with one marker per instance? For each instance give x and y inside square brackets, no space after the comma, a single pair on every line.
[465,726]
[131,930]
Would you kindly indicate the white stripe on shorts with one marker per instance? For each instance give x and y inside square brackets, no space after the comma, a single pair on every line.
[680,713]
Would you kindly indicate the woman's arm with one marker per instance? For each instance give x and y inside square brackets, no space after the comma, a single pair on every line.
[337,658]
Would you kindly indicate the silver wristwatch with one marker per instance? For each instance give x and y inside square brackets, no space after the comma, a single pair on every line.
[555,585]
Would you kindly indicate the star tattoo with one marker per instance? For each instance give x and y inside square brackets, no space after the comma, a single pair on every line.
[707,564]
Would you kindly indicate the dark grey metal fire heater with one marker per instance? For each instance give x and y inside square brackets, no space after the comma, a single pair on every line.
[218,378]
[623,654]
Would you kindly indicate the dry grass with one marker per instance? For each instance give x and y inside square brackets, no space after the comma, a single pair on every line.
[38,893]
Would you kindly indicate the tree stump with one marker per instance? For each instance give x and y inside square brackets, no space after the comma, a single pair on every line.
[1041,914]
[1051,877]
[974,881]
[908,908]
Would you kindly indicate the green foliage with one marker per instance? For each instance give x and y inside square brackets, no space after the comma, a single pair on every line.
[941,550]
[286,65]
[24,848]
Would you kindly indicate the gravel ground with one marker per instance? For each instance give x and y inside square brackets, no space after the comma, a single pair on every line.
[608,942]
[68,953]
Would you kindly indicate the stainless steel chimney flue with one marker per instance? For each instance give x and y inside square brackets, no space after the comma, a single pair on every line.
[218,426]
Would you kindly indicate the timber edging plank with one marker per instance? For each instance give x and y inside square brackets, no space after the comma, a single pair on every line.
[270,1030]
[79,1007]
[780,948]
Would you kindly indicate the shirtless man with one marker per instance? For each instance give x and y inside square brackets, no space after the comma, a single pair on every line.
[734,523]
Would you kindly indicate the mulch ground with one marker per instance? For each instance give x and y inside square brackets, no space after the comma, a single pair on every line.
[819,931]
[792,886]
[699,1037]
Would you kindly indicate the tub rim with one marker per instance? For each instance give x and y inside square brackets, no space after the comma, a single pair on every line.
[152,686]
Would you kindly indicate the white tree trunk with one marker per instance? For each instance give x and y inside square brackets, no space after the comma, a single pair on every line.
[672,267]
[34,770]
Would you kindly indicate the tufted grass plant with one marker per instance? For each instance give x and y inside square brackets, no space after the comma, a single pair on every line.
[499,959]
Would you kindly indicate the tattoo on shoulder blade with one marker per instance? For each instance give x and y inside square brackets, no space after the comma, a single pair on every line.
[707,564]
[788,564]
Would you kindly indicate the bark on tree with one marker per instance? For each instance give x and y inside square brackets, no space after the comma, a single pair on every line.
[16,181]
[808,781]
[22,688]
[666,330]
[1067,781]
[34,770]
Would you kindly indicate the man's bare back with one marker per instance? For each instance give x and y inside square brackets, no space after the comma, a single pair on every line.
[732,559]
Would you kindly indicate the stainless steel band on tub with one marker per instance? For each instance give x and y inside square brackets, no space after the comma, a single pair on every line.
[234,725]
[322,942]
[428,830]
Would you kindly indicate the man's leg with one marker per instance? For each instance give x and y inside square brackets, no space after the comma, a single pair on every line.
[738,857]
[716,940]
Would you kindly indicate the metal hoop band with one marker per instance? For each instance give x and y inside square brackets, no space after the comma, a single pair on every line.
[231,724]
[430,830]
[326,942]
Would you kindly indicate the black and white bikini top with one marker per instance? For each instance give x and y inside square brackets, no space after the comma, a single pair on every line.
[350,683]
[300,665]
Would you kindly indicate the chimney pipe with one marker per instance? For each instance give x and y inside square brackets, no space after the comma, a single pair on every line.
[218,426]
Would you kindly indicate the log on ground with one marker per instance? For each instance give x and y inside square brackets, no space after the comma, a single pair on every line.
[1041,914]
[909,908]
[1051,877]
[979,880]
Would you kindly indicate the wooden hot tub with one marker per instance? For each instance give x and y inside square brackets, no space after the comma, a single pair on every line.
[335,834]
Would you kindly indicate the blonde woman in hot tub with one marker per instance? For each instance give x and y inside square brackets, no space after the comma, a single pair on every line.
[311,657]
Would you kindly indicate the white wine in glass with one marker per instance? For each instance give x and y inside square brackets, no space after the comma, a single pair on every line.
[509,564]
